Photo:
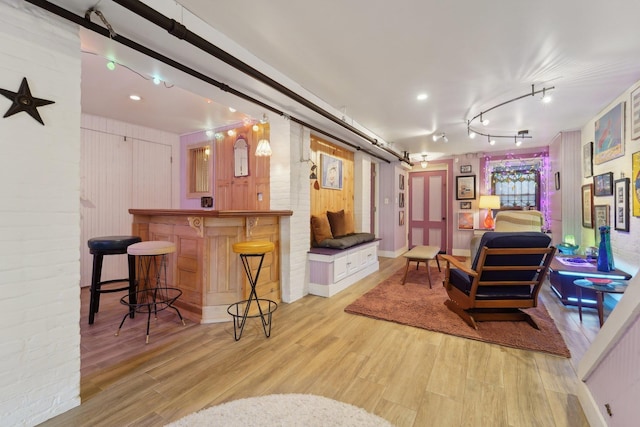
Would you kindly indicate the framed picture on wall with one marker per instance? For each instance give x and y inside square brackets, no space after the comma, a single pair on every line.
[465,205]
[635,114]
[401,182]
[587,159]
[465,220]
[465,169]
[331,172]
[466,187]
[621,204]
[635,182]
[603,184]
[609,135]
[401,200]
[587,205]
[600,218]
[401,218]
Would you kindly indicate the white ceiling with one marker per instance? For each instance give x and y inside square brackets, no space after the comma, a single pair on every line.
[367,61]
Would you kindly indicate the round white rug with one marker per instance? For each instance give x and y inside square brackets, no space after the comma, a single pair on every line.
[282,410]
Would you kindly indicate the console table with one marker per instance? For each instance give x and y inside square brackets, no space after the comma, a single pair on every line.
[563,274]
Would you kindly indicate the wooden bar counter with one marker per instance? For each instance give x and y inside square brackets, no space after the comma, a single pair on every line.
[204,265]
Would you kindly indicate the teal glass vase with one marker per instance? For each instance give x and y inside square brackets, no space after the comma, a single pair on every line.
[605,255]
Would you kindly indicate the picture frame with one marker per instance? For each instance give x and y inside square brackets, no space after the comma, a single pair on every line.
[465,169]
[600,218]
[401,182]
[465,220]
[465,205]
[635,164]
[465,187]
[621,204]
[587,205]
[603,184]
[401,200]
[608,141]
[587,159]
[331,168]
[401,218]
[557,180]
[635,113]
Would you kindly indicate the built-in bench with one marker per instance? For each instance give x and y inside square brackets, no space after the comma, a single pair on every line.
[333,270]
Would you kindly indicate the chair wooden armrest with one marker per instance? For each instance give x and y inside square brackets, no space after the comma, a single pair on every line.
[458,264]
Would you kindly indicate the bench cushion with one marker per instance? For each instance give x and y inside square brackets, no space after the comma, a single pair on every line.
[347,241]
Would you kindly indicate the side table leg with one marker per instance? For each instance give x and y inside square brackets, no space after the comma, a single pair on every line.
[600,304]
[579,296]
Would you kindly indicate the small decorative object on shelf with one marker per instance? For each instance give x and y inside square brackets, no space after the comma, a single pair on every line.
[605,256]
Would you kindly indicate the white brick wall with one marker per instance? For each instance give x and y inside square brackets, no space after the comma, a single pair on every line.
[290,190]
[39,219]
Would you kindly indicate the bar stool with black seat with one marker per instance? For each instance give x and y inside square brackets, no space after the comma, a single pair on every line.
[110,245]
[264,309]
[153,293]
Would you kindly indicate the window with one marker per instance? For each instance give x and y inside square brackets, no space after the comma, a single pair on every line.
[517,188]
[199,171]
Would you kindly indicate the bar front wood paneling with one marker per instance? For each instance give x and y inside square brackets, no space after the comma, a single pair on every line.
[204,265]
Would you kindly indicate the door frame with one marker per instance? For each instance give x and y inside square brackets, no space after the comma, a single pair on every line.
[447,166]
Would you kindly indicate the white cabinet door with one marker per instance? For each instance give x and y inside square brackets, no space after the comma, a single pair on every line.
[340,268]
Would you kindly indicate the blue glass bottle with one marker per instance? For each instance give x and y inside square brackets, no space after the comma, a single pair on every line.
[605,255]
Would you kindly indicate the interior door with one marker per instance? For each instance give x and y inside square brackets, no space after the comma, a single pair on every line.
[427,209]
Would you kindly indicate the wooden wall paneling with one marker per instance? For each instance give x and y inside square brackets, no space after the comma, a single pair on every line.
[226,281]
[325,199]
[189,271]
[241,192]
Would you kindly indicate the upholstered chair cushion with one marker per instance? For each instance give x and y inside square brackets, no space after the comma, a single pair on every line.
[531,239]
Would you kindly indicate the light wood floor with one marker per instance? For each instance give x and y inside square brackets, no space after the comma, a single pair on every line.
[409,376]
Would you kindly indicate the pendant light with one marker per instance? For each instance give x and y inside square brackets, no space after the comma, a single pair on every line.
[264,148]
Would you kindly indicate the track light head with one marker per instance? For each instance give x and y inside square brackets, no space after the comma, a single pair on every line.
[440,136]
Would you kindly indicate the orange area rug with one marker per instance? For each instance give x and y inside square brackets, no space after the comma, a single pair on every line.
[414,304]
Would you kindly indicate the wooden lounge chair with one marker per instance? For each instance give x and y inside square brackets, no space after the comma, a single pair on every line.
[505,276]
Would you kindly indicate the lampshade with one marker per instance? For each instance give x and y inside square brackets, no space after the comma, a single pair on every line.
[264,148]
[489,202]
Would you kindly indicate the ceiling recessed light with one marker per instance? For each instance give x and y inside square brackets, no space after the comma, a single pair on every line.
[135,97]
[422,97]
[233,110]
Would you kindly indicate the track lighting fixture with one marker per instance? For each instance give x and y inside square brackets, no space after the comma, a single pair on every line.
[440,136]
[520,135]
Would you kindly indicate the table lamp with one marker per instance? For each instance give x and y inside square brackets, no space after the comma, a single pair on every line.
[489,202]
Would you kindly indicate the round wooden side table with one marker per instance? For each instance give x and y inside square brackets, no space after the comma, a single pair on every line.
[600,286]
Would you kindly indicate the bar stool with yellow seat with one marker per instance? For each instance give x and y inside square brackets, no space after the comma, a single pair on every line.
[242,310]
[153,292]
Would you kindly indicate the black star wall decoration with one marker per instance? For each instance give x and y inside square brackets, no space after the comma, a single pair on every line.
[23,101]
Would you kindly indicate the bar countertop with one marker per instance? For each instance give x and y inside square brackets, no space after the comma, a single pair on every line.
[209,213]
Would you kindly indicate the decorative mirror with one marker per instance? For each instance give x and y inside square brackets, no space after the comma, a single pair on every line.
[241,157]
